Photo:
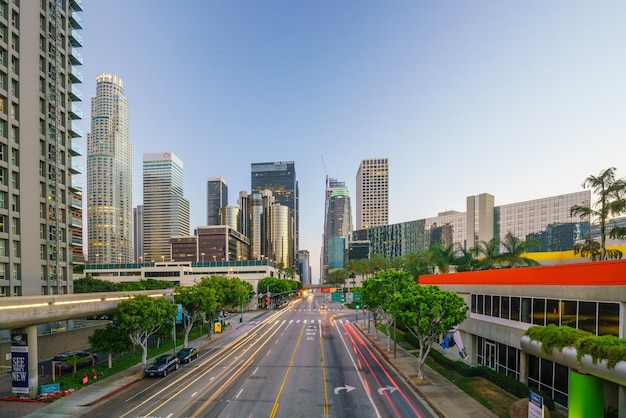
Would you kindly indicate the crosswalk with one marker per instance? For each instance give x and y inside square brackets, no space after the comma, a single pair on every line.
[296,321]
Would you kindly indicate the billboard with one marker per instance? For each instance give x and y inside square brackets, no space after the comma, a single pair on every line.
[19,363]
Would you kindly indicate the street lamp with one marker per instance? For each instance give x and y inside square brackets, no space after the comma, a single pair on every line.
[202,254]
[162,258]
[395,332]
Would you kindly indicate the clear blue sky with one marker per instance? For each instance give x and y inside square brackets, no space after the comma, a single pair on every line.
[522,100]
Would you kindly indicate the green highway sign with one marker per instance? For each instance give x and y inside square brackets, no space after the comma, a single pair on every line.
[336,297]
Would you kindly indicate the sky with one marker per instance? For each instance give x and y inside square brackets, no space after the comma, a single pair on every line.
[521,100]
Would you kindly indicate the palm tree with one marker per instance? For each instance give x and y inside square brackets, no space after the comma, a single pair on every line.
[515,250]
[611,202]
[442,258]
[490,250]
[588,248]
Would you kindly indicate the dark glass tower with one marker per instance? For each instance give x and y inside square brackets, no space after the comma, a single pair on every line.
[280,179]
[216,198]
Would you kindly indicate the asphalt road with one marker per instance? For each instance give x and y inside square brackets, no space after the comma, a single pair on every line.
[296,362]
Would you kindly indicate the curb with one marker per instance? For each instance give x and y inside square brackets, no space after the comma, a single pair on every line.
[406,378]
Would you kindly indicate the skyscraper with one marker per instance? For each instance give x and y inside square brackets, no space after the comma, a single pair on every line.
[216,199]
[280,179]
[109,175]
[372,193]
[40,218]
[337,223]
[165,210]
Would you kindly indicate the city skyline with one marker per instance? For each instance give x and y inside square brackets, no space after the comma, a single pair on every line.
[462,98]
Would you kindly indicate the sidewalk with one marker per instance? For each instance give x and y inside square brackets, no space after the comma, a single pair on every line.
[443,396]
[79,403]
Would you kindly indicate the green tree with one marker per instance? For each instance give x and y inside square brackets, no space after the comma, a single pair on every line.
[143,316]
[416,264]
[610,202]
[515,250]
[110,340]
[427,312]
[442,257]
[588,248]
[89,284]
[489,253]
[196,300]
[244,291]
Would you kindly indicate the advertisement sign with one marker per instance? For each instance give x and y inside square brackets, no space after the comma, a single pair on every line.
[535,405]
[19,363]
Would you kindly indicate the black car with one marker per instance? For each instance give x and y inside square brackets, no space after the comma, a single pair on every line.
[185,355]
[162,364]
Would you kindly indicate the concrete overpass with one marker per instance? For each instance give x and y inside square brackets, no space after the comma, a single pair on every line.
[22,314]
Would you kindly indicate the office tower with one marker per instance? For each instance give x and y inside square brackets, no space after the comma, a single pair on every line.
[216,198]
[304,267]
[138,234]
[337,224]
[229,215]
[40,215]
[280,179]
[372,193]
[109,175]
[479,223]
[165,210]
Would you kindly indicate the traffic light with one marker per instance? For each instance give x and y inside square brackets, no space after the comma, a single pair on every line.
[343,298]
[357,305]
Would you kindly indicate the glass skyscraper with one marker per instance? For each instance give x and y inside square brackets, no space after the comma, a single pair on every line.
[109,175]
[165,210]
[280,179]
[337,223]
[216,199]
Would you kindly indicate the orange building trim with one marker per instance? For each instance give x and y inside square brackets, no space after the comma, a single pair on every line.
[596,273]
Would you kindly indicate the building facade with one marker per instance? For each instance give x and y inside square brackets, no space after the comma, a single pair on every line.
[304,267]
[280,179]
[138,234]
[109,175]
[216,199]
[337,223]
[539,218]
[372,193]
[165,209]
[40,211]
[504,303]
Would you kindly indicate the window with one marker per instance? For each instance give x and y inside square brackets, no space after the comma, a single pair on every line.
[15,157]
[15,249]
[15,226]
[3,247]
[587,316]
[15,203]
[608,319]
[15,179]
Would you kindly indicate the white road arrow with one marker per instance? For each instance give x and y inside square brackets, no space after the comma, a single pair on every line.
[391,389]
[346,387]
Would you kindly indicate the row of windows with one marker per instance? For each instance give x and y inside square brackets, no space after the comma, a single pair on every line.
[599,318]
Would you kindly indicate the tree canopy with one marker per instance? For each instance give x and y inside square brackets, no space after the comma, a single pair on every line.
[427,312]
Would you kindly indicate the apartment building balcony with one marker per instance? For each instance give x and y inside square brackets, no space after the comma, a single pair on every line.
[75,112]
[75,39]
[76,5]
[75,75]
[76,222]
[75,94]
[75,21]
[76,150]
[75,57]
[76,186]
[76,203]
[76,168]
[75,131]
[76,241]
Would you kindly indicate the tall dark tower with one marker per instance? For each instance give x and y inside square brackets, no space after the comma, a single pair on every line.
[280,179]
[216,198]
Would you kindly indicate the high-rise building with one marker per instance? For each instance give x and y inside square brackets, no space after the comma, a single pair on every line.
[337,223]
[280,179]
[304,267]
[372,193]
[138,234]
[109,175]
[216,199]
[165,210]
[40,218]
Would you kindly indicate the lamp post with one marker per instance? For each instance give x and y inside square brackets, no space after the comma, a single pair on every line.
[202,254]
[395,333]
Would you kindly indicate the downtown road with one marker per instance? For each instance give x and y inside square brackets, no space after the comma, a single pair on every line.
[299,361]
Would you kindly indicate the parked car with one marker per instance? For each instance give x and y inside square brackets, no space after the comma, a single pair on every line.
[82,358]
[162,364]
[185,355]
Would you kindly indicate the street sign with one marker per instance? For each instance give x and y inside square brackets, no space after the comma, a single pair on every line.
[349,297]
[336,297]
[357,296]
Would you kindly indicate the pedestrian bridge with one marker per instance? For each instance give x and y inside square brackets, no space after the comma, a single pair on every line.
[24,311]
